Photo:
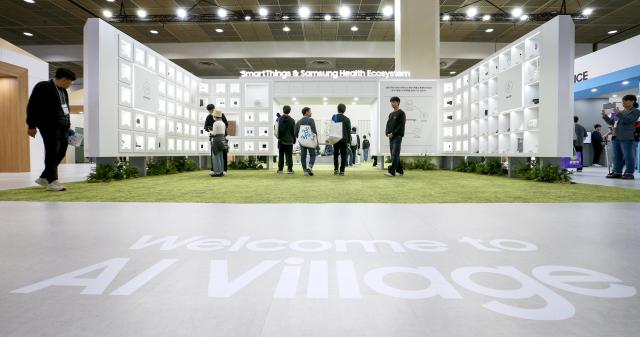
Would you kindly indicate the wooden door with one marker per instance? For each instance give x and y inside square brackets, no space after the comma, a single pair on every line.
[14,141]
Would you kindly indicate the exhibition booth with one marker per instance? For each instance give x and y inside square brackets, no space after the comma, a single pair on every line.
[516,103]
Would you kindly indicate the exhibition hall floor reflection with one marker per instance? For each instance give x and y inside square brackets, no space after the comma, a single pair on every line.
[148,269]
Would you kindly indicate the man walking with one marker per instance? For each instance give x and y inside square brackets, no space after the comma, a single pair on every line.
[307,120]
[365,148]
[48,111]
[286,139]
[340,148]
[578,140]
[355,146]
[395,132]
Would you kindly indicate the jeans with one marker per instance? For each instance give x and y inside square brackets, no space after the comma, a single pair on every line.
[55,148]
[354,155]
[218,162]
[396,165]
[303,157]
[285,151]
[624,155]
[340,149]
[365,154]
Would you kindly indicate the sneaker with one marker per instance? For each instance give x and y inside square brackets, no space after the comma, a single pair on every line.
[341,174]
[306,173]
[279,172]
[55,186]
[597,165]
[628,176]
[335,173]
[389,174]
[42,182]
[399,174]
[224,173]
[614,175]
[211,173]
[310,171]
[290,172]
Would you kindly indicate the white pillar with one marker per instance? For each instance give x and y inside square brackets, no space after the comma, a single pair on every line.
[417,29]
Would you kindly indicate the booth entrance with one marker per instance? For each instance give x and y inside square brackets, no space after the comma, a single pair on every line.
[14,148]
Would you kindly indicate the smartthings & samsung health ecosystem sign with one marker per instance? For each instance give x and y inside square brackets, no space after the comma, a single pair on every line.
[332,74]
[347,279]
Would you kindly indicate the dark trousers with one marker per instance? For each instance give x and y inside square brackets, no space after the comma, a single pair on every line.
[597,150]
[579,149]
[55,148]
[224,158]
[395,145]
[340,149]
[285,150]
[354,155]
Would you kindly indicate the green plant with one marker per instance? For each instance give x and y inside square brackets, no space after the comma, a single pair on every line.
[494,167]
[160,167]
[546,173]
[250,164]
[120,170]
[424,163]
[184,164]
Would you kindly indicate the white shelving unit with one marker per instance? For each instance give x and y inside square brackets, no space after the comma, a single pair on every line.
[538,121]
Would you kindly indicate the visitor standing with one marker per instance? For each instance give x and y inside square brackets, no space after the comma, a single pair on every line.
[208,126]
[578,140]
[307,120]
[340,148]
[365,148]
[355,146]
[218,143]
[623,137]
[395,131]
[596,142]
[286,139]
[48,111]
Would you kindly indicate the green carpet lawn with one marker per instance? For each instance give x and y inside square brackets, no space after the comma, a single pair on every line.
[360,185]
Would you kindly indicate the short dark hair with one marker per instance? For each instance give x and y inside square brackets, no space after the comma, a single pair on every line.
[395,99]
[364,137]
[597,126]
[286,109]
[353,128]
[575,119]
[65,73]
[342,108]
[210,107]
[305,110]
[631,98]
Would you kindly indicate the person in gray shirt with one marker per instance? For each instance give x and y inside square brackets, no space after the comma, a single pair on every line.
[624,125]
[307,120]
[578,140]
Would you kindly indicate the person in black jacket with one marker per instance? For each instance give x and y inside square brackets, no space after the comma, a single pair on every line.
[286,139]
[48,111]
[597,142]
[340,148]
[395,132]
[365,148]
[208,125]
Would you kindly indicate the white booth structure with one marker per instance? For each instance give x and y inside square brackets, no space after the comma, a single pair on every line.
[516,103]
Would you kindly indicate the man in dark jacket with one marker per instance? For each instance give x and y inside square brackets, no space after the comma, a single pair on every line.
[596,142]
[578,140]
[340,148]
[286,139]
[208,125]
[365,148]
[395,132]
[48,111]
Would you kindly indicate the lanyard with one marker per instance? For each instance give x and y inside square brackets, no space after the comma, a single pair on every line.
[61,97]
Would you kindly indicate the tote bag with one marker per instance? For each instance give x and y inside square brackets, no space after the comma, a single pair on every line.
[306,137]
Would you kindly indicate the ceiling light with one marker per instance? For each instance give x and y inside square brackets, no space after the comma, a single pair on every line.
[219,30]
[286,17]
[27,34]
[387,11]
[107,13]
[327,17]
[594,90]
[452,73]
[625,82]
[181,13]
[141,13]
[247,18]
[286,29]
[472,12]
[222,13]
[263,11]
[446,17]
[587,11]
[516,12]
[490,30]
[356,99]
[294,99]
[611,32]
[486,17]
[153,31]
[354,28]
[524,17]
[29,1]
[324,98]
[107,0]
[345,12]
[304,12]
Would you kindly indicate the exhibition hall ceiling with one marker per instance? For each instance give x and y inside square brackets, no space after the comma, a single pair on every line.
[53,22]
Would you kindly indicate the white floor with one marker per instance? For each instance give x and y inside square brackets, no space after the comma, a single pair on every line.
[66,173]
[597,176]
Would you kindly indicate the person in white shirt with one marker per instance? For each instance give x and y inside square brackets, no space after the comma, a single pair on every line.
[218,143]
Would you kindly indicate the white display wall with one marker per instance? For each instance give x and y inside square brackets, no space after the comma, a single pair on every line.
[517,102]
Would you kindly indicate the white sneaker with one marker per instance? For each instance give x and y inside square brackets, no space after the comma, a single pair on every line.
[224,173]
[399,174]
[56,186]
[211,173]
[42,182]
[597,165]
[389,174]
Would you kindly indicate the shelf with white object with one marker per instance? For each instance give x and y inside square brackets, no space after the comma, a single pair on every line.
[505,61]
[474,145]
[447,102]
[484,72]
[475,76]
[465,80]
[494,67]
[531,142]
[517,54]
[447,88]
[517,142]
[493,125]
[532,70]
[532,46]
[447,132]
[504,123]
[447,147]
[504,143]
[493,87]
[474,128]
[493,144]
[483,127]
[447,117]
[516,121]
[458,84]
[483,145]
[493,106]
[530,121]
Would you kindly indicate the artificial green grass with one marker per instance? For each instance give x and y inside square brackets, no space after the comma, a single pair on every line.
[359,185]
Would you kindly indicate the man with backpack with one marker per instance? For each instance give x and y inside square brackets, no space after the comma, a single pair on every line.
[340,148]
[365,148]
[355,146]
[395,131]
[286,139]
[308,128]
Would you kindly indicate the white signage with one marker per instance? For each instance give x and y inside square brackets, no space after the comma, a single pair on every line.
[510,89]
[334,74]
[619,56]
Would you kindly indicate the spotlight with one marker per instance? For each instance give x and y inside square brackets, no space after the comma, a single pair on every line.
[222,13]
[356,99]
[486,17]
[181,13]
[446,17]
[354,28]
[294,99]
[594,90]
[327,17]
[141,13]
[247,18]
[472,12]
[490,30]
[107,13]
[324,98]
[286,29]
[219,30]
[587,11]
[452,73]
[516,12]
[524,17]
[304,12]
[625,82]
[345,12]
[263,11]
[153,31]
[611,32]
[27,34]
[286,17]
[387,11]
[29,1]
